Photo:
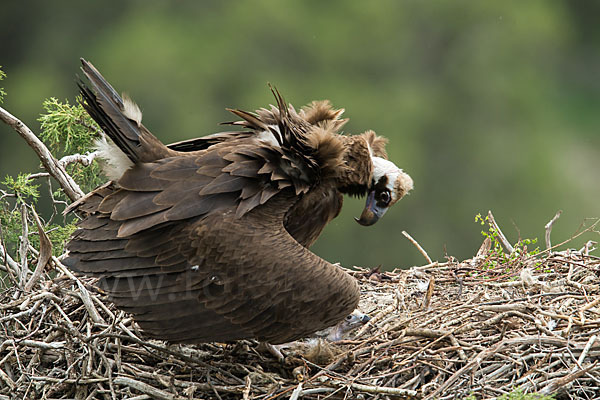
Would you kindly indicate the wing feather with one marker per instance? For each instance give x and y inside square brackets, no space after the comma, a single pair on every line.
[194,245]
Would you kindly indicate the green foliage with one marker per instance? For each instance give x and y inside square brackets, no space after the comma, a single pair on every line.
[68,129]
[2,92]
[65,128]
[59,235]
[517,394]
[10,226]
[497,256]
[11,218]
[22,187]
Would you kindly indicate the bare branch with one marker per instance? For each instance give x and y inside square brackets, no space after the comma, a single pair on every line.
[50,163]
[24,247]
[549,228]
[144,388]
[84,159]
[501,236]
[44,255]
[12,266]
[418,246]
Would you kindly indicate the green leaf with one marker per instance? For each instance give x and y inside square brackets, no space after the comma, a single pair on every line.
[68,129]
[22,187]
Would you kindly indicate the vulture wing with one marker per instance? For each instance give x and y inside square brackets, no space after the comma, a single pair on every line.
[204,142]
[170,249]
[191,238]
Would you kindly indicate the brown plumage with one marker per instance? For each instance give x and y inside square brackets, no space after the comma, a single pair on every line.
[207,239]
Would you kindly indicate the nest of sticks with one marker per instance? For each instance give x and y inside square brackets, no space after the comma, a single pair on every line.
[479,327]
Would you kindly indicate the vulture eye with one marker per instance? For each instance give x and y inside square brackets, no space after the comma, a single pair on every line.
[349,317]
[385,197]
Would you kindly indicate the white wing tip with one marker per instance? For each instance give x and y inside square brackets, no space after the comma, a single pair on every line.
[115,162]
[131,110]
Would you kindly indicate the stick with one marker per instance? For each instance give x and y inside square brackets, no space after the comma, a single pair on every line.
[549,229]
[85,295]
[24,247]
[144,388]
[501,236]
[586,349]
[557,383]
[84,159]
[392,391]
[297,392]
[44,255]
[418,246]
[477,360]
[12,265]
[247,387]
[50,163]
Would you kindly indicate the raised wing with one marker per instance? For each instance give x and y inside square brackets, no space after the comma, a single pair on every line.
[171,249]
[191,239]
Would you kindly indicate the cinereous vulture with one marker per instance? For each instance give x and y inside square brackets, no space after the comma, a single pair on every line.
[207,239]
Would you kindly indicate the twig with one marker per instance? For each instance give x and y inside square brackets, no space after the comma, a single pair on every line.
[586,349]
[556,383]
[477,360]
[33,343]
[247,387]
[501,236]
[44,255]
[13,266]
[144,388]
[418,246]
[549,229]
[84,159]
[85,295]
[24,246]
[38,175]
[590,228]
[429,293]
[391,391]
[50,163]
[297,392]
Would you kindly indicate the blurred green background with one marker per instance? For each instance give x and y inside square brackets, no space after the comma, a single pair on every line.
[488,105]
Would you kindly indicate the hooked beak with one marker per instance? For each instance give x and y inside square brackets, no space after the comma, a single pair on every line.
[371,212]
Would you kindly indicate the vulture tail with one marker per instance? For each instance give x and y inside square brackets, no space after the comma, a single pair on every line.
[120,118]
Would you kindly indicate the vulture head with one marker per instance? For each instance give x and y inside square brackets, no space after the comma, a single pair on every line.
[388,185]
[351,322]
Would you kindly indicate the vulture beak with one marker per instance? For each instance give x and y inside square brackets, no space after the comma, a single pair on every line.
[372,212]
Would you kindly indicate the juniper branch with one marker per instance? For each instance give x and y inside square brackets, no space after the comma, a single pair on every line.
[50,163]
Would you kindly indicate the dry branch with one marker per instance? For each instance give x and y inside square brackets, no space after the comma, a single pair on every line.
[549,229]
[418,246]
[83,159]
[501,236]
[44,255]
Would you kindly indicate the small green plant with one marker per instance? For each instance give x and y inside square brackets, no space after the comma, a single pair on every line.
[497,255]
[517,394]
